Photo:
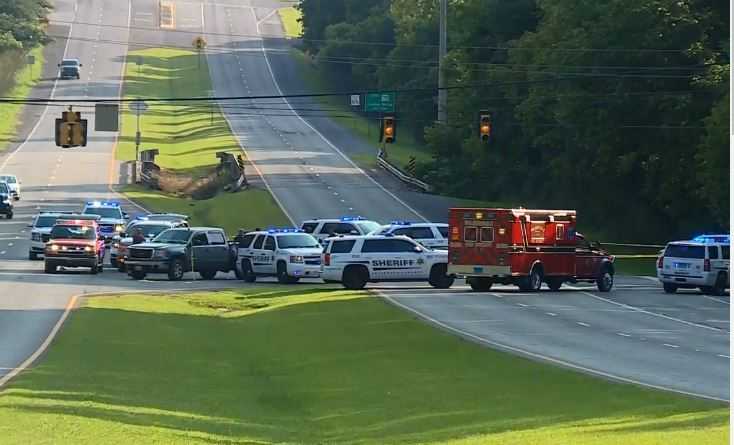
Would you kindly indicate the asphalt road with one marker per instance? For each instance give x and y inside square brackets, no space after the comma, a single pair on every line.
[635,333]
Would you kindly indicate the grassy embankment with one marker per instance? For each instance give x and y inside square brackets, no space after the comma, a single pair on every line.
[270,364]
[188,137]
[24,83]
[289,17]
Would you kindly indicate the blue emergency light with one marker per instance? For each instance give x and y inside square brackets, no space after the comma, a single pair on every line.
[704,239]
[103,204]
[401,223]
[284,230]
[352,218]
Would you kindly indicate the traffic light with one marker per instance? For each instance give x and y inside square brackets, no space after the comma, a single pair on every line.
[79,133]
[63,134]
[71,130]
[387,130]
[485,126]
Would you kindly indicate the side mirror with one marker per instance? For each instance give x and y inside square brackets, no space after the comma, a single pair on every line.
[80,65]
[59,65]
[353,232]
[29,225]
[418,249]
[125,215]
[594,245]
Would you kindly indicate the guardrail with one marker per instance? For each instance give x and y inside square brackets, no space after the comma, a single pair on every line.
[402,176]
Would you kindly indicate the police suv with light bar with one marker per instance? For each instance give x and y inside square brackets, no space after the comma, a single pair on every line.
[288,254]
[41,231]
[346,225]
[432,235]
[113,219]
[702,262]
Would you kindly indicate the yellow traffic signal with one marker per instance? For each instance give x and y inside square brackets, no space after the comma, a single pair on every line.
[387,130]
[63,134]
[79,133]
[485,126]
[71,130]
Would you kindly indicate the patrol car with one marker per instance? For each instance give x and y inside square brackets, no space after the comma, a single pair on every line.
[13,184]
[431,235]
[288,254]
[112,220]
[702,262]
[356,260]
[346,225]
[41,231]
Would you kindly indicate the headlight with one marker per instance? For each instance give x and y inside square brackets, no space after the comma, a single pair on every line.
[35,237]
[296,259]
[54,247]
[119,228]
[88,248]
[160,254]
[6,201]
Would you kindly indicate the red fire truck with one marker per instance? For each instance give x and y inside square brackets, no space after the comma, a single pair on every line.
[525,248]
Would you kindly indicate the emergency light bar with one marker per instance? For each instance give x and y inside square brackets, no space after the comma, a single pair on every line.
[103,204]
[724,239]
[285,230]
[75,222]
[401,223]
[353,218]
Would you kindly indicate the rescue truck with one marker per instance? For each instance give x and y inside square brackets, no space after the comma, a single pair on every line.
[525,248]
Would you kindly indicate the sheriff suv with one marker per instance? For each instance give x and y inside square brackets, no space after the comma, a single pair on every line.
[74,243]
[287,254]
[6,201]
[356,260]
[112,218]
[346,225]
[431,235]
[702,262]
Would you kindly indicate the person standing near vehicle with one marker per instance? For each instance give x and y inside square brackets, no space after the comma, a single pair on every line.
[138,236]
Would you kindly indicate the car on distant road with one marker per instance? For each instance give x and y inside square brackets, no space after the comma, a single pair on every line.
[347,225]
[13,184]
[70,69]
[355,261]
[112,219]
[432,235]
[176,251]
[121,243]
[287,254]
[6,201]
[41,231]
[74,243]
[702,262]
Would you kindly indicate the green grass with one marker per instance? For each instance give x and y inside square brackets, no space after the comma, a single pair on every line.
[367,129]
[635,266]
[289,16]
[232,211]
[188,138]
[268,364]
[24,83]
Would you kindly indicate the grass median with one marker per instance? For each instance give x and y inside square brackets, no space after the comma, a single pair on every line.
[301,364]
[188,137]
[290,17]
[26,78]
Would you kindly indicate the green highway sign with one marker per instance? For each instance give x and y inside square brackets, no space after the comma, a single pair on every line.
[379,102]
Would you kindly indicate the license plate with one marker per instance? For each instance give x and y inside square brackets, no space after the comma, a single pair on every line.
[682,265]
[138,267]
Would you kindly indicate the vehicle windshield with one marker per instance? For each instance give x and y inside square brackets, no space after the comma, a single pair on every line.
[104,212]
[297,241]
[165,218]
[685,251]
[173,236]
[368,226]
[45,221]
[149,231]
[4,188]
[68,62]
[8,179]
[73,232]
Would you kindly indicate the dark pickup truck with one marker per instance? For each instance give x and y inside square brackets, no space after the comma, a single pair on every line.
[176,251]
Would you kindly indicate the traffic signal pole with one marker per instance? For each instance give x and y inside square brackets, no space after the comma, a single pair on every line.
[137,147]
[442,50]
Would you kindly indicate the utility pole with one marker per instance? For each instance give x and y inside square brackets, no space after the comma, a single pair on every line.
[442,92]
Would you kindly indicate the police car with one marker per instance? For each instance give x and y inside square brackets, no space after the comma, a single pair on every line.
[346,225]
[356,260]
[13,184]
[288,254]
[431,235]
[41,232]
[702,262]
[112,218]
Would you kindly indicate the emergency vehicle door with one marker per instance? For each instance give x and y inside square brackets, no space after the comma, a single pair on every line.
[585,258]
[265,257]
[394,259]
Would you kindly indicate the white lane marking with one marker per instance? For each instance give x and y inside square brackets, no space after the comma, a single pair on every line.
[723,356]
[717,321]
[552,314]
[328,142]
[522,304]
[10,244]
[37,353]
[581,323]
[670,346]
[3,252]
[259,22]
[538,356]
[716,299]
[623,334]
[653,314]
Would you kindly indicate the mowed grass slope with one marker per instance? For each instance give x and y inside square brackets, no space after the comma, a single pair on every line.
[298,364]
[188,137]
[290,17]
[26,78]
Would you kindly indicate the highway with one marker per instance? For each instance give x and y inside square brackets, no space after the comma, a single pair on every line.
[635,333]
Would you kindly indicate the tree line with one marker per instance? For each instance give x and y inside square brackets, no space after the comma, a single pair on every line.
[619,108]
[22,28]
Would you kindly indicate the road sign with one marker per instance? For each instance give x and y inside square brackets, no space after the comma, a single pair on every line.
[354,100]
[106,117]
[138,106]
[380,102]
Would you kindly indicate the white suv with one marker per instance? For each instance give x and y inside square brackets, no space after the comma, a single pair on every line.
[287,254]
[702,262]
[431,235]
[356,260]
[13,184]
[41,232]
[346,225]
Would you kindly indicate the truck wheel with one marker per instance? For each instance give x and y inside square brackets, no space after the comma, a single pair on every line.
[208,274]
[282,274]
[480,284]
[9,215]
[248,276]
[605,280]
[439,277]
[719,288]
[49,267]
[121,267]
[176,270]
[532,282]
[137,275]
[670,288]
[94,269]
[100,268]
[355,277]
[554,284]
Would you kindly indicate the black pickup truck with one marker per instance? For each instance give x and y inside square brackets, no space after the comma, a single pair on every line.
[176,251]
